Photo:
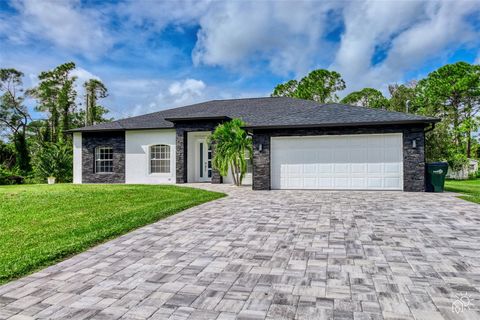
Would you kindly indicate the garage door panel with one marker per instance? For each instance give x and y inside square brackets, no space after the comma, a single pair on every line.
[375,183]
[310,169]
[375,154]
[294,168]
[392,155]
[338,162]
[341,155]
[358,183]
[392,168]
[294,183]
[392,183]
[340,168]
[358,155]
[375,167]
[325,168]
[358,168]
[310,183]
[341,183]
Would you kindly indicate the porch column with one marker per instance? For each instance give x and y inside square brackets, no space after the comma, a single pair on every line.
[181,156]
[261,161]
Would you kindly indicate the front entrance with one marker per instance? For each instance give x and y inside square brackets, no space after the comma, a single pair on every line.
[204,161]
[199,157]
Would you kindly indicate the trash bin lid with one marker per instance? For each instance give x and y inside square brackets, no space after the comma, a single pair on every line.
[438,163]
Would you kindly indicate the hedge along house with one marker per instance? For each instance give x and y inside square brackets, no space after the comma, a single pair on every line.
[298,144]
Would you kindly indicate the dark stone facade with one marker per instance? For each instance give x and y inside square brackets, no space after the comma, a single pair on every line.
[182,129]
[90,141]
[261,162]
[413,158]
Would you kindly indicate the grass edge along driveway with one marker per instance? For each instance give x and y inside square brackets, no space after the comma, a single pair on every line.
[470,189]
[43,224]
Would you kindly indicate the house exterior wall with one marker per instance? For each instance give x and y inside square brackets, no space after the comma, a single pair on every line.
[90,141]
[137,155]
[413,158]
[181,141]
[77,157]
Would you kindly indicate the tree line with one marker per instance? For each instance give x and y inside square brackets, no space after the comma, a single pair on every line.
[34,149]
[451,93]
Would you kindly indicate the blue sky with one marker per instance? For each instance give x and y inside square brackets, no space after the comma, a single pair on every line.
[154,55]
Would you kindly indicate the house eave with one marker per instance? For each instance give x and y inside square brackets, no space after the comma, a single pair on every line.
[116,130]
[353,124]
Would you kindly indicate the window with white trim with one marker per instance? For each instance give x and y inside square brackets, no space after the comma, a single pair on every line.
[103,160]
[249,164]
[160,158]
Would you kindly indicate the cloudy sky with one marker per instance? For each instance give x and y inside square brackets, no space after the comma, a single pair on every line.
[154,55]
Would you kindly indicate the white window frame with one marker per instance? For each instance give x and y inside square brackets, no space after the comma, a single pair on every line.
[149,159]
[249,165]
[97,160]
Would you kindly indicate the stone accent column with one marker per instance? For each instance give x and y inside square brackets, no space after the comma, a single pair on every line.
[181,155]
[414,160]
[261,161]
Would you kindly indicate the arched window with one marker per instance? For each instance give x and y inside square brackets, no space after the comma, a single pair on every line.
[103,160]
[160,158]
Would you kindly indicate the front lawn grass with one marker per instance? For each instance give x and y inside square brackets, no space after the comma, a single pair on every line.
[42,224]
[470,189]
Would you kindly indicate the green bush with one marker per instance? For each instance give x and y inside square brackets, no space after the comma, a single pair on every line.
[457,161]
[9,177]
[54,160]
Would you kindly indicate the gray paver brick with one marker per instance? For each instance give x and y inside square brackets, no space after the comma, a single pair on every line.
[277,255]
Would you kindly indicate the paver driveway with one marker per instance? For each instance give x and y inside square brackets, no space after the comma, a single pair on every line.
[278,254]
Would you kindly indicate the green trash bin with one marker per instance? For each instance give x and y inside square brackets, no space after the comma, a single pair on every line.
[436,173]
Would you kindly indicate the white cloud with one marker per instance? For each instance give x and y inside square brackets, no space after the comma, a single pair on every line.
[84,75]
[287,35]
[139,96]
[187,90]
[412,33]
[64,23]
[161,13]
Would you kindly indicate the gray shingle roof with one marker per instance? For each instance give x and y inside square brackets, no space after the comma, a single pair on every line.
[264,113]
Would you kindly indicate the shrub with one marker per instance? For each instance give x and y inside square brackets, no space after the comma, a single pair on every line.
[458,161]
[54,160]
[10,177]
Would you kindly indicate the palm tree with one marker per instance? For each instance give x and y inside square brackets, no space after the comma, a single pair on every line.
[232,146]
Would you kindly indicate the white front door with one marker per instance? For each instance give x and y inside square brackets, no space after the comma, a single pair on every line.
[203,161]
[373,161]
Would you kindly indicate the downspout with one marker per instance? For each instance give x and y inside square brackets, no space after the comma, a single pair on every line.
[431,128]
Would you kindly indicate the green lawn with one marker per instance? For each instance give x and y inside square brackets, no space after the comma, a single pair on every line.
[42,224]
[470,189]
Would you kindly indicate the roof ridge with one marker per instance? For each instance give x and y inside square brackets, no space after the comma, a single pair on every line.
[380,109]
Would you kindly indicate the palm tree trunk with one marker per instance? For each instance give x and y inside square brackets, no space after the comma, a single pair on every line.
[233,173]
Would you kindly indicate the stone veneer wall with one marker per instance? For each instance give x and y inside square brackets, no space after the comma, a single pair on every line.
[99,139]
[182,128]
[413,158]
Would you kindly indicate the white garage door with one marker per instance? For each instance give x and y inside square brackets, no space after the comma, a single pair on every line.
[373,161]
